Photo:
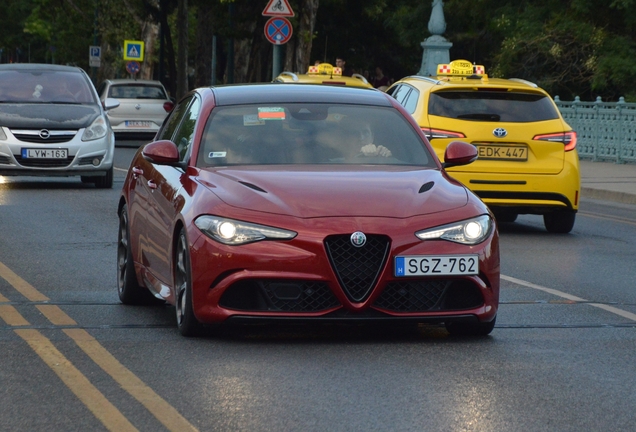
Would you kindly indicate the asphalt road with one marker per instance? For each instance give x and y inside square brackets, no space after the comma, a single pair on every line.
[561,357]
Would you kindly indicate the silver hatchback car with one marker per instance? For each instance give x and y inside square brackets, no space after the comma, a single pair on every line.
[52,123]
[144,104]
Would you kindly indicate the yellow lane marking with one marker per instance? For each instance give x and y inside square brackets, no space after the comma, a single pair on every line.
[22,286]
[608,308]
[158,407]
[11,316]
[94,400]
[163,411]
[56,315]
[121,169]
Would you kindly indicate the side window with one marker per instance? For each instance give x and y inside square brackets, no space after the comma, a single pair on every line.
[184,136]
[173,120]
[401,93]
[410,102]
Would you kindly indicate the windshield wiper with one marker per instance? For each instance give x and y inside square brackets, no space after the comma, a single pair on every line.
[480,116]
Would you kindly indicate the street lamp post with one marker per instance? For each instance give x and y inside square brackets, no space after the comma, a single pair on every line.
[436,47]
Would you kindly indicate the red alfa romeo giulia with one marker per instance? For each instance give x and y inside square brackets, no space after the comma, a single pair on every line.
[304,202]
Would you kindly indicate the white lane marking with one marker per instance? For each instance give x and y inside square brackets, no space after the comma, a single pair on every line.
[612,309]
[121,169]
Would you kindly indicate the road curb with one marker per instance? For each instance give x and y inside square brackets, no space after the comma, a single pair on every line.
[605,195]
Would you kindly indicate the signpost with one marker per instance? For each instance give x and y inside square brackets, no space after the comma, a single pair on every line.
[132,67]
[278,29]
[95,56]
[278,8]
[134,50]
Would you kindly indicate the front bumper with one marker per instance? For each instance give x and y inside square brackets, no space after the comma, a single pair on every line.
[297,281]
[85,158]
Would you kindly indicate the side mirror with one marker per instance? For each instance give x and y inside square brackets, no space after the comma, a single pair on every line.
[459,153]
[161,152]
[110,103]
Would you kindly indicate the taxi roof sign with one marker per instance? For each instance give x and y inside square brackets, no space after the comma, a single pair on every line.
[324,69]
[460,68]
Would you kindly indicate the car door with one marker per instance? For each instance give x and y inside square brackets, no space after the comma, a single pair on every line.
[163,183]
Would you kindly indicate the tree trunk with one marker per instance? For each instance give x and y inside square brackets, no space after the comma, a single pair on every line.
[203,55]
[182,54]
[298,52]
[150,35]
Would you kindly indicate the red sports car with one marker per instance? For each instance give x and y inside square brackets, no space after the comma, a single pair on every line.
[301,202]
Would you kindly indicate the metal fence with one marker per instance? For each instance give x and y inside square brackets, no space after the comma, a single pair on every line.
[606,131]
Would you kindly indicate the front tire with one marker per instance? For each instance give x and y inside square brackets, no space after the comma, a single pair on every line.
[465,329]
[106,181]
[559,222]
[505,216]
[128,288]
[187,323]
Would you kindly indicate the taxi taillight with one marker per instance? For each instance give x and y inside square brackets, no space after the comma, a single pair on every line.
[439,133]
[567,138]
[168,106]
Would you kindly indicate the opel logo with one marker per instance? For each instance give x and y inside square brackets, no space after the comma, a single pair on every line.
[45,134]
[500,132]
[358,239]
[137,107]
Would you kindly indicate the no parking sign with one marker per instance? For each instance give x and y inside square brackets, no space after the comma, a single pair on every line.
[278,30]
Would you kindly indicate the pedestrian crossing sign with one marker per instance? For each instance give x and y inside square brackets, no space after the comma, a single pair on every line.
[133,50]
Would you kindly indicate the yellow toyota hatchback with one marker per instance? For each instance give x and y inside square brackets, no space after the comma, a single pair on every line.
[324,73]
[528,163]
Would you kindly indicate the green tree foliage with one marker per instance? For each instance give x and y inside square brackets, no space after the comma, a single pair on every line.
[569,47]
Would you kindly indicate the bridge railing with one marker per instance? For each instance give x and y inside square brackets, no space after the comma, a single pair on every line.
[606,131]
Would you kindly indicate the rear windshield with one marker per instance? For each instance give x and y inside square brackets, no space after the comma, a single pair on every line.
[310,134]
[39,86]
[136,91]
[492,106]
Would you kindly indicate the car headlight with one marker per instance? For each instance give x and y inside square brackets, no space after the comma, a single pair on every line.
[233,232]
[470,231]
[96,130]
[3,136]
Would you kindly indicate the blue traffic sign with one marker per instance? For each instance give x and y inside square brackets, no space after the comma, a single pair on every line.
[132,67]
[133,50]
[278,30]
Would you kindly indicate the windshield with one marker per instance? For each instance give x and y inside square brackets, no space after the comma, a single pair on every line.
[137,91]
[492,106]
[310,134]
[44,87]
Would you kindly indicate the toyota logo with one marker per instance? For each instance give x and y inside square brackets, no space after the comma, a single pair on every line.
[45,134]
[358,239]
[500,132]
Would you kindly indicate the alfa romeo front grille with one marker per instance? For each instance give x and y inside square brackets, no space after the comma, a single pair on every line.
[357,268]
[44,136]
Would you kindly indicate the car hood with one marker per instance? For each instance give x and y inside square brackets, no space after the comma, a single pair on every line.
[361,191]
[47,116]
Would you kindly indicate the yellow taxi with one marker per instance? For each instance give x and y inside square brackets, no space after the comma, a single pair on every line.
[528,163]
[324,73]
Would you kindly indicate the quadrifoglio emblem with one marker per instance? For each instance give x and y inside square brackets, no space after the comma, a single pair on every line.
[358,239]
